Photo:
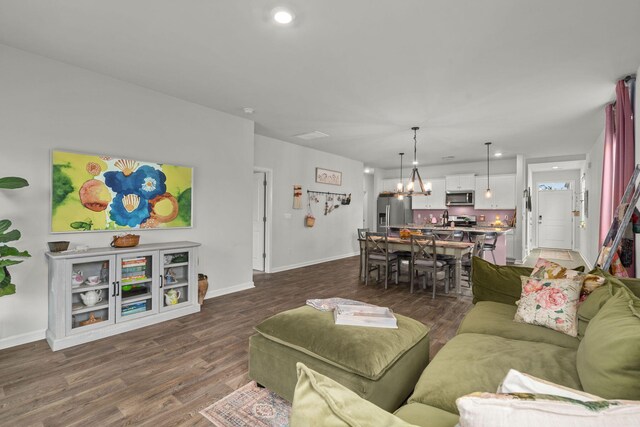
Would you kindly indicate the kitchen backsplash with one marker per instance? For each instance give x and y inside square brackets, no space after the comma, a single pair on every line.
[420,216]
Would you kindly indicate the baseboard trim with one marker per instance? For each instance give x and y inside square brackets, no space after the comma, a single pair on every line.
[314,262]
[22,339]
[212,293]
[587,263]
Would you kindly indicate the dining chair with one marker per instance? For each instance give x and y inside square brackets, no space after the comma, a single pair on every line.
[424,260]
[362,237]
[377,256]
[467,260]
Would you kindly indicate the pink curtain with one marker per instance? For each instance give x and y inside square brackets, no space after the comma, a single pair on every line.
[619,156]
[606,199]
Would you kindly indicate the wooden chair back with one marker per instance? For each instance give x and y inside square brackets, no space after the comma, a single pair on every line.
[377,243]
[423,248]
[478,245]
[362,233]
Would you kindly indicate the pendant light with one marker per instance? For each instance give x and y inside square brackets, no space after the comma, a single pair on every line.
[415,185]
[487,194]
[400,187]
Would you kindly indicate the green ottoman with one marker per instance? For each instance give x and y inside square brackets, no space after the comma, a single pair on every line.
[381,365]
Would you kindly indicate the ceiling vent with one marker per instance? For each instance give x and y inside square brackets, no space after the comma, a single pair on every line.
[311,135]
[448,157]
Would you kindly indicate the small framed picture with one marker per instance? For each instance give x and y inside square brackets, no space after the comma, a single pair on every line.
[326,176]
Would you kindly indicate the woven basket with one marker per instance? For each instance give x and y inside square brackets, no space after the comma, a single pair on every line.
[309,221]
[126,241]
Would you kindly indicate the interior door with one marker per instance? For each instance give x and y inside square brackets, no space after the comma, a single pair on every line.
[555,219]
[258,220]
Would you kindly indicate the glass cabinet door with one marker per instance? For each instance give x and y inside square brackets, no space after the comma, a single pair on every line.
[136,285]
[90,296]
[176,273]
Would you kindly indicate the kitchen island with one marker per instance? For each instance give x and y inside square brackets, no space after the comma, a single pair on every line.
[500,252]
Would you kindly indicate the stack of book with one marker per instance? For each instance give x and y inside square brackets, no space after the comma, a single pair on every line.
[134,269]
[134,307]
[365,315]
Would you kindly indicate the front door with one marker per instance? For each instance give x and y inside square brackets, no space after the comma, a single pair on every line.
[555,219]
[258,220]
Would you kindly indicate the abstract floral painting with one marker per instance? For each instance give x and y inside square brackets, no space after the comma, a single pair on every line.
[97,193]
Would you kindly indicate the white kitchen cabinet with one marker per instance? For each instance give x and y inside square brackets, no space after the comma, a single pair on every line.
[503,192]
[390,184]
[106,291]
[460,182]
[437,198]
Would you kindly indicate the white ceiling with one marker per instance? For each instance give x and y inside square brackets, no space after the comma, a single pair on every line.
[531,76]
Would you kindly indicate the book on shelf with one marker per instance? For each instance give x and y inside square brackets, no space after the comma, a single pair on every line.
[365,315]
[134,307]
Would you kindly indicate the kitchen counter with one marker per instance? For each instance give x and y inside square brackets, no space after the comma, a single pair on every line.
[500,252]
[435,227]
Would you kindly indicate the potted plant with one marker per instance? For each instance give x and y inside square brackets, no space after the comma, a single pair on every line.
[8,254]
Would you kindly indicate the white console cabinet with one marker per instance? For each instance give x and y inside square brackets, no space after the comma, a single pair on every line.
[106,291]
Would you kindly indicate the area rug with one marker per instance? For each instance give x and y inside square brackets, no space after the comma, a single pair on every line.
[556,254]
[249,406]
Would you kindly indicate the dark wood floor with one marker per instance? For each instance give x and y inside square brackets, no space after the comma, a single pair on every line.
[164,374]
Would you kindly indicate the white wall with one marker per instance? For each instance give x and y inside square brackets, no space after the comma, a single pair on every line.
[47,104]
[371,198]
[589,245]
[333,236]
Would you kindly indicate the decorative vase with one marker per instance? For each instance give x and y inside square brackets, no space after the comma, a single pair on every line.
[203,286]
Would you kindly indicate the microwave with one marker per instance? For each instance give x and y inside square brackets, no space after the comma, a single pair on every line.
[460,198]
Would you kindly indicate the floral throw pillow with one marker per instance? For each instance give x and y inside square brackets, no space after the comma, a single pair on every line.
[552,303]
[546,269]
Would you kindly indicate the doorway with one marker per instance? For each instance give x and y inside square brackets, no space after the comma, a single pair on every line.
[555,215]
[259,219]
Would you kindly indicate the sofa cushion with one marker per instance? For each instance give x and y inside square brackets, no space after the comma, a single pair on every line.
[552,303]
[594,302]
[426,416]
[478,362]
[534,410]
[632,284]
[320,399]
[369,352]
[608,358]
[494,318]
[499,283]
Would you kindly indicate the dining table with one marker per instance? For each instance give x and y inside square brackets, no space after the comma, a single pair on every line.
[443,247]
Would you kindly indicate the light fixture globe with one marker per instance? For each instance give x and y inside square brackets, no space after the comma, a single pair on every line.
[282,16]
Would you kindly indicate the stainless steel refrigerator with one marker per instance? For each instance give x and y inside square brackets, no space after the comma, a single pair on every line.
[393,212]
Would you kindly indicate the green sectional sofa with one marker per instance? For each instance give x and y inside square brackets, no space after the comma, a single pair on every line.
[603,360]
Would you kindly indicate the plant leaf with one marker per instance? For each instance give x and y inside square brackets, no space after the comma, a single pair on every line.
[10,236]
[4,225]
[8,251]
[7,290]
[13,182]
[2,275]
[8,262]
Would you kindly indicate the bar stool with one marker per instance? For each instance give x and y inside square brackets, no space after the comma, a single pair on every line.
[490,240]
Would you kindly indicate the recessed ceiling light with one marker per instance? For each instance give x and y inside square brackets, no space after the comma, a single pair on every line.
[498,154]
[248,110]
[367,170]
[555,167]
[312,135]
[282,15]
